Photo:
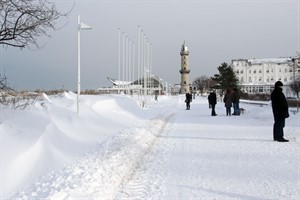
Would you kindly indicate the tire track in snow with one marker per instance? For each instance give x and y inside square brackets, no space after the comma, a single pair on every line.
[148,180]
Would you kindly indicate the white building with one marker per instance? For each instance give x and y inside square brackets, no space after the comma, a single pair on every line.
[260,75]
[151,84]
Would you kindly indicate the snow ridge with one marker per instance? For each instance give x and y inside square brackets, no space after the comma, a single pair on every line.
[101,173]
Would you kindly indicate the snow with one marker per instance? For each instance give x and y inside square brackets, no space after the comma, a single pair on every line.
[114,149]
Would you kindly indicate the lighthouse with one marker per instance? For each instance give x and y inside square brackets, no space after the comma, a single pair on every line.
[185,70]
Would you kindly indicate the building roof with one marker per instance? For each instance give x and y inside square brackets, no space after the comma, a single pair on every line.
[269,60]
[119,82]
[153,77]
[259,61]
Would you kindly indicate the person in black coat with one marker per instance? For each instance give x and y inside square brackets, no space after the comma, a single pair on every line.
[228,102]
[188,99]
[212,100]
[280,112]
[236,101]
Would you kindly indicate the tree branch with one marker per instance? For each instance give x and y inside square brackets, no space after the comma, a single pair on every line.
[22,21]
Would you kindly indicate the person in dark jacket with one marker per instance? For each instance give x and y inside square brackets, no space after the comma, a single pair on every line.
[188,99]
[280,112]
[212,100]
[228,103]
[236,102]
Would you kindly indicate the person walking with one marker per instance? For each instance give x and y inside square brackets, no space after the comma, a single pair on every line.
[280,112]
[212,100]
[188,99]
[236,102]
[228,102]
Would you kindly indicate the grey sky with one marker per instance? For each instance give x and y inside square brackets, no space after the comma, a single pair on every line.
[215,32]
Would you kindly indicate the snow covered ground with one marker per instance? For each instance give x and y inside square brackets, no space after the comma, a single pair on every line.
[114,149]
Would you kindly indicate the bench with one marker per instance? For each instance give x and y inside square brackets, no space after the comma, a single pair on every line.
[294,111]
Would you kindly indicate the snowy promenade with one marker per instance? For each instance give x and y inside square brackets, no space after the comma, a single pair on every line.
[116,150]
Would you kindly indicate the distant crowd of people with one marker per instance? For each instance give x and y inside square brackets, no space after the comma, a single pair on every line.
[232,99]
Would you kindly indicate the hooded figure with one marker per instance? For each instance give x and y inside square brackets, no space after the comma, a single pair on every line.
[188,99]
[235,101]
[212,100]
[228,102]
[280,112]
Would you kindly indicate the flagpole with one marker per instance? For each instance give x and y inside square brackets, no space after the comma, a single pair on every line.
[119,64]
[78,63]
[80,26]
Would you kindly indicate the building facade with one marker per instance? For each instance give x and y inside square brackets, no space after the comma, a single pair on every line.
[260,75]
[152,84]
[185,70]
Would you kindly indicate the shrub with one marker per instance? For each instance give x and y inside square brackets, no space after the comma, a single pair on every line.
[293,102]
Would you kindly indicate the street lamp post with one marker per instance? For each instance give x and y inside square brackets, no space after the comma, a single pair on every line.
[81,26]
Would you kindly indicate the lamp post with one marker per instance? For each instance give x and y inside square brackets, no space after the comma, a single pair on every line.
[80,26]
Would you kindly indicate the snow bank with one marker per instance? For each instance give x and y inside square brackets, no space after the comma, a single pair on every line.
[49,135]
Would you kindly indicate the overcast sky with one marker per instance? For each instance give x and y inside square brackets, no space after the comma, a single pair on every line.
[215,32]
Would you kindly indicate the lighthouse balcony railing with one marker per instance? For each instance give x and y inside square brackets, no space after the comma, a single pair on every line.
[184,71]
[184,53]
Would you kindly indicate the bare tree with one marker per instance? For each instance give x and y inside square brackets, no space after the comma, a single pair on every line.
[3,83]
[23,21]
[295,86]
[201,83]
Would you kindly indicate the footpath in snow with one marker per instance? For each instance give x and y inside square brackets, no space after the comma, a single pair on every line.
[116,150]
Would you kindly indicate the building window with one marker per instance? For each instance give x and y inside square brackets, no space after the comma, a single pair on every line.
[259,71]
[249,79]
[249,71]
[241,71]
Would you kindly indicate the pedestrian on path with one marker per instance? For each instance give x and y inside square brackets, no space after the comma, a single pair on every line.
[280,112]
[188,99]
[227,101]
[212,100]
[236,102]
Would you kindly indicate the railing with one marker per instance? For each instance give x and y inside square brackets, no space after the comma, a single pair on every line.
[184,71]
